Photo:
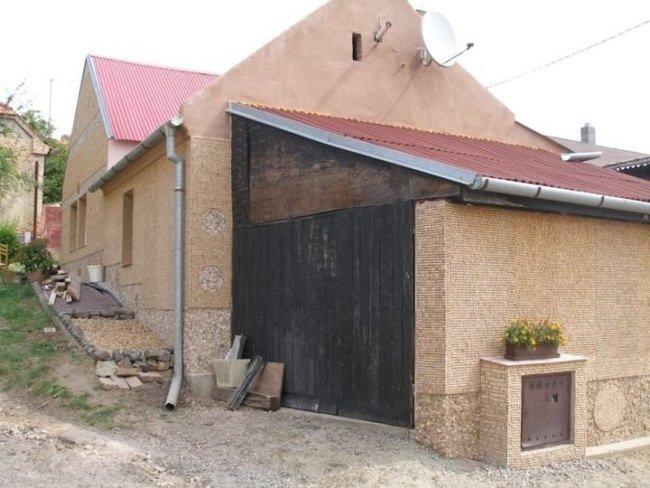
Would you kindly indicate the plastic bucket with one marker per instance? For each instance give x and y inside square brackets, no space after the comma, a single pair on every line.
[230,372]
[95,273]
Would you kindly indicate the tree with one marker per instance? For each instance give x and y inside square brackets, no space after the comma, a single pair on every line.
[54,171]
[55,161]
[11,178]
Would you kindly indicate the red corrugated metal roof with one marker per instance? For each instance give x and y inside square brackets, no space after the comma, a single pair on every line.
[137,98]
[483,156]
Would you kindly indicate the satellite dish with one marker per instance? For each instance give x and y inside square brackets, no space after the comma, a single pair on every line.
[440,40]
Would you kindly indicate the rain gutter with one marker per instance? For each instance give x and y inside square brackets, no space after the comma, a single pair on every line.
[133,155]
[528,190]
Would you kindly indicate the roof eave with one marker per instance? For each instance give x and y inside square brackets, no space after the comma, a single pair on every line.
[438,169]
[421,165]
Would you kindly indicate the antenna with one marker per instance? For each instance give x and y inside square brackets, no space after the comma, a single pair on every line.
[49,109]
[440,41]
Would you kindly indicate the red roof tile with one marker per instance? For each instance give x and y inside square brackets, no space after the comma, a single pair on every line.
[136,99]
[485,157]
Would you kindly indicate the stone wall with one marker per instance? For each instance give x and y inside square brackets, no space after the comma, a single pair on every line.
[618,409]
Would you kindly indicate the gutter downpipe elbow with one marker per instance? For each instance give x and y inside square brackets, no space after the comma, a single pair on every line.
[179,254]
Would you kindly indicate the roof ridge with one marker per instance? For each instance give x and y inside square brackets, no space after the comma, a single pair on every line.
[150,65]
[398,126]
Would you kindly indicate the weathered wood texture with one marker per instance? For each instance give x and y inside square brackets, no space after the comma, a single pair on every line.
[278,176]
[331,296]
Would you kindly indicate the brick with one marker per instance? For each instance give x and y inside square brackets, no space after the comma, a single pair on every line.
[126,372]
[108,384]
[133,382]
[152,377]
[121,383]
[105,368]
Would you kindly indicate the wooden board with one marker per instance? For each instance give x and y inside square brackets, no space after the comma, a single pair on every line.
[266,390]
[277,175]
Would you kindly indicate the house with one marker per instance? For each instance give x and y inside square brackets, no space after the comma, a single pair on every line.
[25,206]
[374,223]
[120,103]
[629,162]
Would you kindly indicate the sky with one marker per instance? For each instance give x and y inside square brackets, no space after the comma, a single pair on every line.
[607,86]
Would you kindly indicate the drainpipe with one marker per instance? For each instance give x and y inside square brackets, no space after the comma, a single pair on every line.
[179,190]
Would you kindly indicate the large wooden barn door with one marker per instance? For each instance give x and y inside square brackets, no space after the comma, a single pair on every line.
[331,296]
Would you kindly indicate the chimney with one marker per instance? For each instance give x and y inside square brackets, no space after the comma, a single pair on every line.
[588,134]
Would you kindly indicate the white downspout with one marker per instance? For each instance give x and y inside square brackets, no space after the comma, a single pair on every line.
[179,191]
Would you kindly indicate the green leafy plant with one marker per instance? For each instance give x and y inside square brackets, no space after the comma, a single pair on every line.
[529,333]
[35,256]
[9,236]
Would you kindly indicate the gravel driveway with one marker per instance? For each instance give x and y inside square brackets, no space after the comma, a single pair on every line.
[203,444]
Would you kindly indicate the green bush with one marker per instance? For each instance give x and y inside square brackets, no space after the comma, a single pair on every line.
[9,236]
[35,256]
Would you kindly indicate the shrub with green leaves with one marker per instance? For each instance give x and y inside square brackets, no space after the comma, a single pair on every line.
[9,236]
[35,256]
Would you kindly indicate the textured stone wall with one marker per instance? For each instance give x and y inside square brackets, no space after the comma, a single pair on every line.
[448,423]
[618,409]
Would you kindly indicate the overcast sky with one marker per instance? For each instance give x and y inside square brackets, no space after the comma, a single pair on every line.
[608,86]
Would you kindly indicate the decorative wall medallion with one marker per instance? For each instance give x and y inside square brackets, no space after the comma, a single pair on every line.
[213,221]
[609,408]
[211,278]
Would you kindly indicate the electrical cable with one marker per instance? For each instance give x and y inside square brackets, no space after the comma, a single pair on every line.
[563,58]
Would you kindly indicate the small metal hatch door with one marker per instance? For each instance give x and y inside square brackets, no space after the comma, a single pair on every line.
[545,410]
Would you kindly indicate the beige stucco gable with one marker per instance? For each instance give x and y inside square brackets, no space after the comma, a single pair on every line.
[310,67]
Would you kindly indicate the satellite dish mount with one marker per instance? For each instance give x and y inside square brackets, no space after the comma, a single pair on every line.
[440,44]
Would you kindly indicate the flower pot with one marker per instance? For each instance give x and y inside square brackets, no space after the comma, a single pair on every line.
[520,353]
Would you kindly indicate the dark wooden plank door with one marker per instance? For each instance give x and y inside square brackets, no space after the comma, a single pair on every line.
[331,296]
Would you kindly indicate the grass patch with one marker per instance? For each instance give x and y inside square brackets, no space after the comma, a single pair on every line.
[27,357]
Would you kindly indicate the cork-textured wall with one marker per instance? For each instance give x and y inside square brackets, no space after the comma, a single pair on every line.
[86,158]
[152,183]
[501,264]
[88,141]
[478,267]
[209,224]
[500,412]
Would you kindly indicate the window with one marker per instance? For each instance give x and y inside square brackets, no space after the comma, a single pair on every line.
[81,222]
[127,228]
[72,223]
[356,47]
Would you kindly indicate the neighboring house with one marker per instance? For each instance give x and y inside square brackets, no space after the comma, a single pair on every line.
[374,223]
[629,162]
[24,206]
[639,167]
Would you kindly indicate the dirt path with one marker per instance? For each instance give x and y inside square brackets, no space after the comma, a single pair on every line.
[205,445]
